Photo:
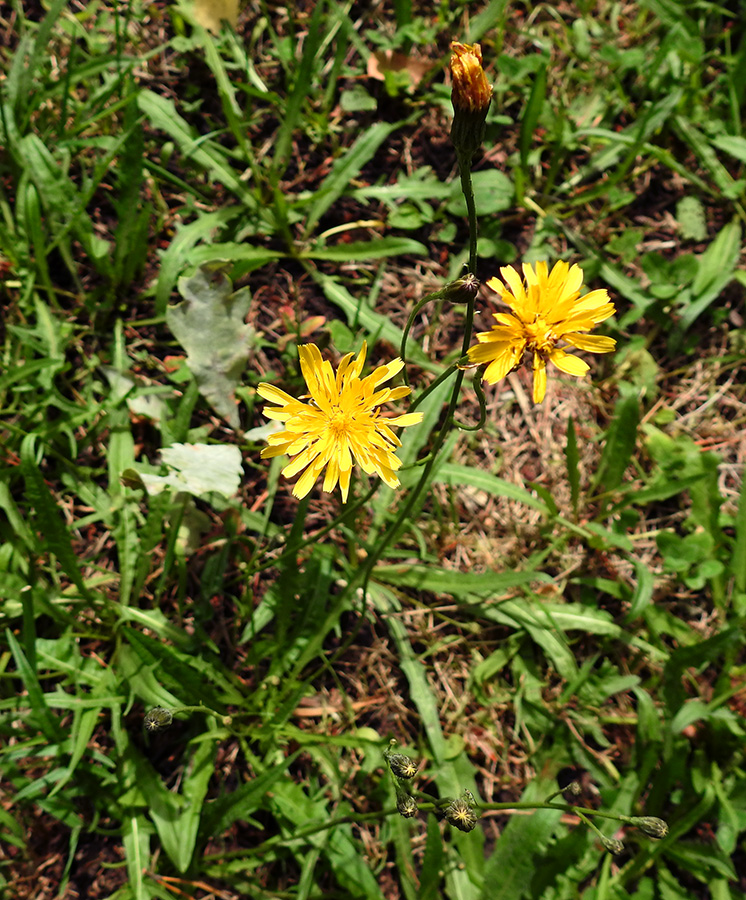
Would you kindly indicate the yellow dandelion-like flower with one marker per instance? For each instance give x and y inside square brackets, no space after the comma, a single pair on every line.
[471,91]
[341,423]
[545,310]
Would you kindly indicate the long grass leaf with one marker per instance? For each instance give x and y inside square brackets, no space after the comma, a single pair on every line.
[41,713]
[294,103]
[49,521]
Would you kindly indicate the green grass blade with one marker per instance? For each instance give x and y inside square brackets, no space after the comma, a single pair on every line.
[294,104]
[346,168]
[40,712]
[50,524]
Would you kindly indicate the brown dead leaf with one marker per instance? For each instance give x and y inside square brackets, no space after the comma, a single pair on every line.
[383,61]
[210,14]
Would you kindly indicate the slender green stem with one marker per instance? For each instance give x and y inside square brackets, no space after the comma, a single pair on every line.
[308,831]
[477,385]
[363,577]
[431,387]
[296,547]
[428,298]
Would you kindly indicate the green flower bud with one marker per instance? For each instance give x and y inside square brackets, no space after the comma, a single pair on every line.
[406,805]
[612,845]
[461,813]
[158,719]
[462,290]
[650,825]
[573,789]
[401,766]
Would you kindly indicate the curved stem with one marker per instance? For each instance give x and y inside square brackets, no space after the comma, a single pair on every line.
[431,387]
[435,295]
[477,385]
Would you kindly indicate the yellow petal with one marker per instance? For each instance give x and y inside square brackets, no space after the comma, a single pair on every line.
[572,365]
[540,378]
[407,419]
[501,365]
[304,484]
[593,343]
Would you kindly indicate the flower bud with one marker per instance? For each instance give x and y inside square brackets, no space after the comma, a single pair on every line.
[158,719]
[461,812]
[573,789]
[462,290]
[401,766]
[470,94]
[612,845]
[406,805]
[649,825]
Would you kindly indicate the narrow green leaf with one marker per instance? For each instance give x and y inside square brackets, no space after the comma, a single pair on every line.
[620,444]
[450,581]
[40,711]
[207,154]
[452,473]
[531,114]
[360,250]
[183,249]
[49,521]
[517,854]
[293,105]
[346,168]
[136,831]
[716,267]
[572,458]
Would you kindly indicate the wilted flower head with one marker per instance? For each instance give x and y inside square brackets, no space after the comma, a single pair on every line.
[470,94]
[340,425]
[544,310]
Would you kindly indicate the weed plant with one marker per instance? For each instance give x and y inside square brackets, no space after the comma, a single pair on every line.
[503,658]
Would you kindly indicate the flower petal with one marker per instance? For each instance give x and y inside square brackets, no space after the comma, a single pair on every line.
[572,365]
[540,378]
[593,343]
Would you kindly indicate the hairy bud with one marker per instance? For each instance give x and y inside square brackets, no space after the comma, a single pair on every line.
[462,290]
[406,805]
[158,719]
[461,813]
[612,845]
[401,766]
[650,825]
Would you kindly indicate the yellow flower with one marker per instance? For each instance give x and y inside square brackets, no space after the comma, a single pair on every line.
[341,423]
[546,309]
[471,92]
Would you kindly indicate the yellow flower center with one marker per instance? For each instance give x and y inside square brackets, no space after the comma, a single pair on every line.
[539,336]
[339,422]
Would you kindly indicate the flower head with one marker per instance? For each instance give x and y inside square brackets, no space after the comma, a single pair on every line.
[545,310]
[341,423]
[470,94]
